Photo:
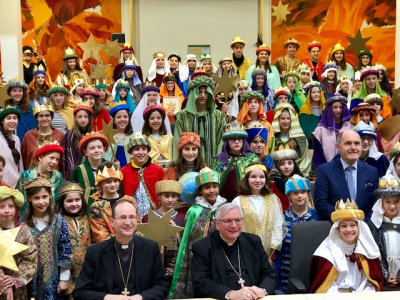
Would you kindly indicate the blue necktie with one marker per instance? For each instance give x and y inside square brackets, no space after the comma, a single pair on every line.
[350,182]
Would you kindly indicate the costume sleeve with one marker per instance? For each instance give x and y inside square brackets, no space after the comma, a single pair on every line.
[64,247]
[319,270]
[97,224]
[321,195]
[273,78]
[318,154]
[203,285]
[250,70]
[217,165]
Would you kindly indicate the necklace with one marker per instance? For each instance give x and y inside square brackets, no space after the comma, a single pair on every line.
[239,272]
[125,292]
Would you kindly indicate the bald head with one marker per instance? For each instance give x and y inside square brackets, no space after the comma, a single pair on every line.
[349,146]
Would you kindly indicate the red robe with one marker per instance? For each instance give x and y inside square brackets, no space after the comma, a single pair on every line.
[152,174]
[319,68]
[321,268]
[98,122]
[284,199]
[158,80]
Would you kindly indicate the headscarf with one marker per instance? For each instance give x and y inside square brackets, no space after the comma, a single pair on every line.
[206,57]
[234,106]
[184,68]
[295,128]
[328,119]
[362,92]
[177,91]
[349,93]
[17,197]
[298,95]
[151,75]
[244,117]
[194,94]
[189,138]
[306,108]
[129,98]
[135,78]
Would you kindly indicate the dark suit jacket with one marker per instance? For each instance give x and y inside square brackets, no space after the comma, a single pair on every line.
[331,186]
[208,267]
[96,277]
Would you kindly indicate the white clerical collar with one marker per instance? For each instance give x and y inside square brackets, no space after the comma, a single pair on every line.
[229,244]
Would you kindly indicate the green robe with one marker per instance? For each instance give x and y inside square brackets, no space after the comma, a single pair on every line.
[308,123]
[56,180]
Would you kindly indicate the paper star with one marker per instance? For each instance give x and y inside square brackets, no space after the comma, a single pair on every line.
[3,96]
[100,70]
[171,105]
[357,43]
[9,247]
[91,48]
[280,11]
[109,131]
[225,84]
[159,229]
[112,48]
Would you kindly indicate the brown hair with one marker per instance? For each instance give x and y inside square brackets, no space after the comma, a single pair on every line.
[66,101]
[267,66]
[146,130]
[60,202]
[180,167]
[396,158]
[29,212]
[65,70]
[120,201]
[107,164]
[38,91]
[11,144]
[77,129]
[128,129]
[244,187]
[342,64]
[24,107]
[98,107]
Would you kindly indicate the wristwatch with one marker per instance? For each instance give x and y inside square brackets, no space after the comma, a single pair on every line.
[265,292]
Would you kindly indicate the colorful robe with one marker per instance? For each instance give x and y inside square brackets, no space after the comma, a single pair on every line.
[98,121]
[272,77]
[26,262]
[161,147]
[316,70]
[79,233]
[26,123]
[284,64]
[54,252]
[56,180]
[308,123]
[242,70]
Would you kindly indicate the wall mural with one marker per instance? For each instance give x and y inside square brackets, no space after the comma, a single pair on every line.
[329,21]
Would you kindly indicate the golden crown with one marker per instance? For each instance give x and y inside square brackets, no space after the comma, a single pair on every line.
[38,68]
[380,67]
[114,104]
[71,187]
[349,204]
[242,83]
[48,143]
[69,51]
[235,125]
[282,106]
[388,182]
[108,173]
[44,107]
[158,55]
[337,47]
[314,42]
[85,103]
[255,125]
[344,78]
[303,68]
[347,211]
[40,181]
[78,81]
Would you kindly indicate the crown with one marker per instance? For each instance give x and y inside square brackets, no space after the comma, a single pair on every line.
[291,41]
[49,143]
[368,70]
[234,126]
[157,55]
[303,68]
[282,106]
[44,107]
[122,84]
[337,47]
[330,64]
[346,211]
[115,104]
[292,73]
[71,187]
[85,105]
[138,140]
[168,186]
[38,68]
[349,204]
[226,58]
[388,181]
[69,51]
[313,44]
[206,175]
[127,44]
[344,78]
[242,83]
[129,62]
[108,173]
[255,125]
[380,67]
[40,181]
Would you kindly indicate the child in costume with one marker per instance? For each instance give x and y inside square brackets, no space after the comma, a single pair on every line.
[38,87]
[384,225]
[240,63]
[305,76]
[291,80]
[186,70]
[168,192]
[72,206]
[14,284]
[348,259]
[316,66]
[199,223]
[63,118]
[50,234]
[72,68]
[338,56]
[100,113]
[260,84]
[262,211]
[384,81]
[123,93]
[376,101]
[298,190]
[130,78]
[105,96]
[78,86]
[394,167]
[108,180]
[364,60]
[344,88]
[330,79]
[170,89]
[234,107]
[158,69]
[257,138]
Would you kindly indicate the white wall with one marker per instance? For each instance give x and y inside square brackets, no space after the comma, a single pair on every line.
[172,25]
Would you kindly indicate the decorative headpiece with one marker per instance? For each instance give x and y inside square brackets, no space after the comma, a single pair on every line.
[380,67]
[206,175]
[169,77]
[71,187]
[282,91]
[69,53]
[237,40]
[157,55]
[373,98]
[90,137]
[363,106]
[44,107]
[330,66]
[168,186]
[83,106]
[252,95]
[76,79]
[314,44]
[150,88]
[291,73]
[297,183]
[16,82]
[39,69]
[122,84]
[256,167]
[100,85]
[127,46]
[49,147]
[189,138]
[336,98]
[263,47]
[259,71]
[303,68]
[175,55]
[129,65]
[7,192]
[365,52]
[201,80]
[234,129]
[90,90]
[138,140]
[242,83]
[291,41]
[337,47]
[150,109]
[256,132]
[368,70]
[108,173]
[199,73]
[284,153]
[40,181]
[117,106]
[57,89]
[347,211]
[8,110]
[389,187]
[395,150]
[205,57]
[363,129]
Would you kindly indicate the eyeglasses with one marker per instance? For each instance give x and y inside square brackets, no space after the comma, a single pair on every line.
[123,219]
[44,116]
[229,221]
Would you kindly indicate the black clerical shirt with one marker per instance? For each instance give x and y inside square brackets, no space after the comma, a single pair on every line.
[125,257]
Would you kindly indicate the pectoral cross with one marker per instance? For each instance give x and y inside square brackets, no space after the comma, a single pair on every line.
[125,292]
[241,282]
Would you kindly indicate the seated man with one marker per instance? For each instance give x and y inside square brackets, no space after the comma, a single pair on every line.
[113,270]
[229,263]
[348,259]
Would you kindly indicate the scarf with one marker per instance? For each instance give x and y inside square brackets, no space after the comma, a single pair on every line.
[238,61]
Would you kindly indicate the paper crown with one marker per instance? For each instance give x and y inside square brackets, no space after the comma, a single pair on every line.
[368,70]
[242,83]
[129,65]
[48,146]
[39,69]
[292,41]
[101,83]
[314,44]
[303,68]
[206,175]
[138,140]
[40,181]
[117,106]
[69,53]
[395,150]
[108,173]
[90,90]
[158,55]
[8,110]
[291,73]
[122,84]
[311,84]
[257,133]
[168,186]
[169,77]
[234,129]
[330,66]
[252,95]
[282,91]
[337,47]
[84,105]
[71,187]
[90,136]
[127,46]
[297,183]
[199,73]
[344,78]
[389,187]
[380,67]
[150,87]
[284,153]
[7,192]
[76,79]
[16,82]
[347,211]
[236,40]
[44,107]
[263,47]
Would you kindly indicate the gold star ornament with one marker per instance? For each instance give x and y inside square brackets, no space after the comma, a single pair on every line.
[225,84]
[3,95]
[99,70]
[109,131]
[159,229]
[9,247]
[280,11]
[91,48]
[357,43]
[112,48]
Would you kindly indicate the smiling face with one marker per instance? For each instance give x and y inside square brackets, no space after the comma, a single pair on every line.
[257,147]
[226,65]
[103,94]
[124,220]
[59,99]
[298,198]
[190,153]
[40,79]
[291,49]
[256,181]
[314,52]
[365,116]
[167,200]
[160,63]
[366,143]
[139,155]
[71,63]
[170,85]
[285,121]
[94,150]
[73,203]
[348,231]
[263,56]
[339,55]
[206,65]
[40,202]
[370,81]
[304,77]
[155,121]
[110,186]
[79,88]
[380,78]
[82,118]
[391,206]
[191,63]
[16,93]
[122,93]
[316,93]
[260,80]
[210,192]
[121,119]
[365,60]
[127,54]
[49,161]
[173,62]
[242,90]
[344,86]
[10,122]
[286,166]
[331,75]
[291,83]
[90,99]
[230,225]
[349,147]
[357,84]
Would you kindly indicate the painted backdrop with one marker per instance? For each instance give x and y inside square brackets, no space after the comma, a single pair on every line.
[329,21]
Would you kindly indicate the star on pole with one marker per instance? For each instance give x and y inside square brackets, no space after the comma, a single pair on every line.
[357,43]
[99,70]
[9,247]
[91,48]
[225,84]
[109,131]
[280,11]
[3,96]
[159,229]
[112,48]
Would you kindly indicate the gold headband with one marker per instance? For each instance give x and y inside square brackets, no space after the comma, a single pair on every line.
[256,167]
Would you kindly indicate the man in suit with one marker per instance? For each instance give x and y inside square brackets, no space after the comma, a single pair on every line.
[231,264]
[345,177]
[125,267]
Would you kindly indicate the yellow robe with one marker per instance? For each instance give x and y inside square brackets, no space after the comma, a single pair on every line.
[161,147]
[242,70]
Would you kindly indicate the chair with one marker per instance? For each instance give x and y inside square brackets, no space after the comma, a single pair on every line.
[306,237]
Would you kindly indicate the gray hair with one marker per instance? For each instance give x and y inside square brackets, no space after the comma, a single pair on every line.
[339,139]
[224,208]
